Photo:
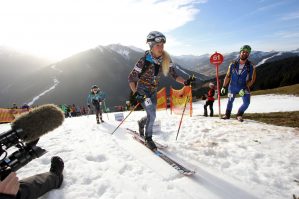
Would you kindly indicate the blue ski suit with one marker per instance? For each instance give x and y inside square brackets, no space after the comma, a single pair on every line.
[239,80]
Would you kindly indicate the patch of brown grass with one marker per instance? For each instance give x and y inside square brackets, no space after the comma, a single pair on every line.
[285,90]
[289,119]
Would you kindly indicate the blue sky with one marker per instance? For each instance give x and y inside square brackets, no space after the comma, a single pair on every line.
[227,24]
[57,29]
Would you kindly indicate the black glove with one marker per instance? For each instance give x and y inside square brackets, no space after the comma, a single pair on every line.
[189,81]
[139,98]
[88,105]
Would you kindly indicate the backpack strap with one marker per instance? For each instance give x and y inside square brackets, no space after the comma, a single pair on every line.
[146,65]
[247,64]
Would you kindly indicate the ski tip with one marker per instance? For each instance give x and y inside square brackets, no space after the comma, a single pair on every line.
[187,173]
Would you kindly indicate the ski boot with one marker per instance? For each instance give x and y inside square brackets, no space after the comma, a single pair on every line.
[149,143]
[57,166]
[226,116]
[101,119]
[240,116]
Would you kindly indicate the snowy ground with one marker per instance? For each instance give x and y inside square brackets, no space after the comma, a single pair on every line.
[232,160]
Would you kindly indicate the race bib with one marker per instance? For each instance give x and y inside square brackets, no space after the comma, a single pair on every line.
[147,102]
[230,95]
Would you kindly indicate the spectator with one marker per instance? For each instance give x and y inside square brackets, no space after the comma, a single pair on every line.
[210,100]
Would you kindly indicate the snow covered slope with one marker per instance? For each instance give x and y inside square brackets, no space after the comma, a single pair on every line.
[232,160]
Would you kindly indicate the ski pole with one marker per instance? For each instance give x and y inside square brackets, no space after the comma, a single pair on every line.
[106,109]
[182,117]
[126,117]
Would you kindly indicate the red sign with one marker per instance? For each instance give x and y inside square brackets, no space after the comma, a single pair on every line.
[216,59]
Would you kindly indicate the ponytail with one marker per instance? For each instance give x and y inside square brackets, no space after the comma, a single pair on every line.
[165,63]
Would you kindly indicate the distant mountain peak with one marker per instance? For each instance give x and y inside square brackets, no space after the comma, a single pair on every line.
[136,49]
[101,48]
[121,50]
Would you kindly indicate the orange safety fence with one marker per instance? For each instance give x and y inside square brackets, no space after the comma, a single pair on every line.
[161,99]
[178,98]
[8,115]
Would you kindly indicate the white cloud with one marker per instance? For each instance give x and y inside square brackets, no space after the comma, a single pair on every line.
[57,28]
[288,34]
[291,16]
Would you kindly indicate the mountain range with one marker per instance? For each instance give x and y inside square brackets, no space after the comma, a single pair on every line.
[69,80]
[201,64]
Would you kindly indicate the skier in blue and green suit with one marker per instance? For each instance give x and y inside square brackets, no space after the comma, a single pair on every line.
[239,78]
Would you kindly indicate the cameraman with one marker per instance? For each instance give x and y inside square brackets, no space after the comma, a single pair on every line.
[34,186]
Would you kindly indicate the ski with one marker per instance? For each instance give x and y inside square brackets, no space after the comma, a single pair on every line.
[180,168]
[137,137]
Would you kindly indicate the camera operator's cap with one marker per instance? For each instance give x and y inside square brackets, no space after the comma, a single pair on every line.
[155,37]
[246,48]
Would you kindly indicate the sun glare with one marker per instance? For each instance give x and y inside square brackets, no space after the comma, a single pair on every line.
[57,29]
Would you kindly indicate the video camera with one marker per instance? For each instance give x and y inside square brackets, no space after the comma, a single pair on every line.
[24,135]
[22,156]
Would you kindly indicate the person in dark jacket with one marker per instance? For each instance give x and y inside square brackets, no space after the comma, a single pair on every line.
[144,79]
[239,78]
[34,186]
[96,97]
[210,100]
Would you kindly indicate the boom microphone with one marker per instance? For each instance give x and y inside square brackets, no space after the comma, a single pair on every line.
[32,125]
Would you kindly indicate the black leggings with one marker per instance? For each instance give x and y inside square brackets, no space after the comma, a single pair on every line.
[98,109]
[210,104]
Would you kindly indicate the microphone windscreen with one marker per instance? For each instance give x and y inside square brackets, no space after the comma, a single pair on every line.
[38,122]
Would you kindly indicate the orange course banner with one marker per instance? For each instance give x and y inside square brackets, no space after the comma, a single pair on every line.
[181,98]
[161,99]
[8,115]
